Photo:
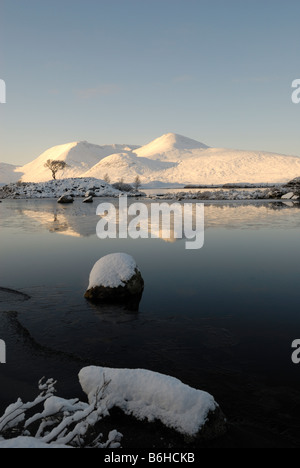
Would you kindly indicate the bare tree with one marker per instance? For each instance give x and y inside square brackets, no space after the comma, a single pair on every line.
[106,179]
[137,183]
[55,166]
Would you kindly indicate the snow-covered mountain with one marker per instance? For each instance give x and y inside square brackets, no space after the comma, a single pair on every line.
[171,147]
[127,166]
[169,159]
[79,156]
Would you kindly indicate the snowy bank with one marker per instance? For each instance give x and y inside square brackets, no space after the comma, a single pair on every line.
[151,396]
[88,186]
[276,193]
[53,422]
[57,188]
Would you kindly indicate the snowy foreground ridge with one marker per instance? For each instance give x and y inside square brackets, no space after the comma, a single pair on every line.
[168,159]
[151,396]
[53,422]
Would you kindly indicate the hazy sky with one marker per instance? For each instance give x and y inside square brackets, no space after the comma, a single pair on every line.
[127,71]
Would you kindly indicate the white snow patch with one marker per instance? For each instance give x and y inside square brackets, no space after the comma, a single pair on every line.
[151,396]
[112,271]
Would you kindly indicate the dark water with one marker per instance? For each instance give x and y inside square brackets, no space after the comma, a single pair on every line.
[222,318]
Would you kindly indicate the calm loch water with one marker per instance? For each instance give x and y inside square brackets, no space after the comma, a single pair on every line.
[222,318]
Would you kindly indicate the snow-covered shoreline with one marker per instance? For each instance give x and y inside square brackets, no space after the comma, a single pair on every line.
[78,188]
[231,195]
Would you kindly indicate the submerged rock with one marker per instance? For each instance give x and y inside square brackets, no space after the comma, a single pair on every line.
[65,199]
[116,278]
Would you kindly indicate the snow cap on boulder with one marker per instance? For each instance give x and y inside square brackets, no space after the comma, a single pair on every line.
[151,396]
[115,278]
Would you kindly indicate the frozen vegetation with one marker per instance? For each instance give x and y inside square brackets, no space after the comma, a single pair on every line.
[52,422]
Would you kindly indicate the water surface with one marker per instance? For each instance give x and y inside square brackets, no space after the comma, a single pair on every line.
[221,318]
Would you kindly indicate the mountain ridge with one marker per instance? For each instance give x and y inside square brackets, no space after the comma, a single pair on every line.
[169,159]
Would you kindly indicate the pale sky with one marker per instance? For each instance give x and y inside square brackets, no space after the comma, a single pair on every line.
[127,71]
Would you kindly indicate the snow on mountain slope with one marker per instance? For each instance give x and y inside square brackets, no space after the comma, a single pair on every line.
[170,159]
[200,166]
[221,166]
[170,147]
[128,166]
[8,174]
[80,157]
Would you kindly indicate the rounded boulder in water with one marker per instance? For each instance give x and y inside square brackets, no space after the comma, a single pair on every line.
[116,278]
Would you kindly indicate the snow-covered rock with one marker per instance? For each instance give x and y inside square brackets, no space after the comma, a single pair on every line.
[90,193]
[65,199]
[115,278]
[288,196]
[88,199]
[152,396]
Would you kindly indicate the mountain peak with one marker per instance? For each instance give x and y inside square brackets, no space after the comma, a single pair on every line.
[167,143]
[180,141]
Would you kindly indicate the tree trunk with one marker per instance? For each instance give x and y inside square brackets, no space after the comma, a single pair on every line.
[54,175]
